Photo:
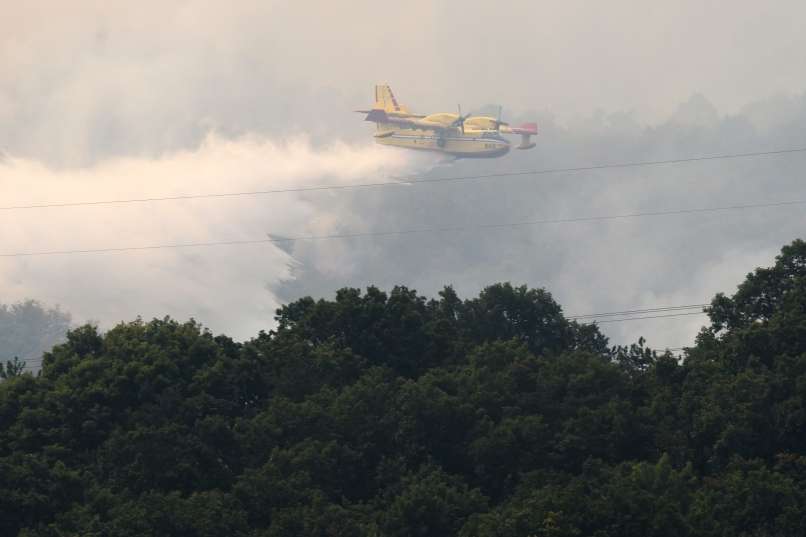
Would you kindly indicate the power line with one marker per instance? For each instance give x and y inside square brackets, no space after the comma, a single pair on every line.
[405,231]
[650,317]
[411,180]
[631,312]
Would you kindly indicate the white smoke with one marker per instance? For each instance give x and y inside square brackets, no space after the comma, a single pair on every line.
[228,288]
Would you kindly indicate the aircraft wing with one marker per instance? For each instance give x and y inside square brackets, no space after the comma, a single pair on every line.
[410,122]
[393,114]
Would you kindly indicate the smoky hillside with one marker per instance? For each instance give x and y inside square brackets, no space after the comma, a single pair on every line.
[388,413]
[112,100]
[595,265]
[28,329]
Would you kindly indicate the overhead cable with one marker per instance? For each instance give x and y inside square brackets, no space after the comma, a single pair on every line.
[391,233]
[633,312]
[398,181]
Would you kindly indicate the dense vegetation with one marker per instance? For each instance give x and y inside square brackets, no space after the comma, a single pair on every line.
[391,415]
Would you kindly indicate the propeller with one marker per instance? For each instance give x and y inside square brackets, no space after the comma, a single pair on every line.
[460,121]
[498,121]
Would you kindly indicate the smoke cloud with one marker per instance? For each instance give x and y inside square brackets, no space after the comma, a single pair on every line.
[114,99]
[593,267]
[228,288]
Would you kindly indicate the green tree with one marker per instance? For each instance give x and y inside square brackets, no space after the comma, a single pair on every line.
[12,368]
[380,413]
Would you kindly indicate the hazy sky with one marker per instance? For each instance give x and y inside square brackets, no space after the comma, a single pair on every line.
[109,99]
[82,80]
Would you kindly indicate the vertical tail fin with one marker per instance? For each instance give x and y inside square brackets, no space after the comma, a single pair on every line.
[385,100]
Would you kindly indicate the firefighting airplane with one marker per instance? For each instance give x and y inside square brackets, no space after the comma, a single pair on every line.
[454,134]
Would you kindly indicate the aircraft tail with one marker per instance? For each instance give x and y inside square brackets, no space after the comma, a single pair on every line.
[527,130]
[385,100]
[382,122]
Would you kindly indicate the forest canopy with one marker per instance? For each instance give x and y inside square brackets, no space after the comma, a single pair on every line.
[389,414]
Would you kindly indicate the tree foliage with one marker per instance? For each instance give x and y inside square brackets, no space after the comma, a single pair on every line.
[378,414]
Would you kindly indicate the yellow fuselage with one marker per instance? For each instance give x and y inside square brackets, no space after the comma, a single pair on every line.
[480,144]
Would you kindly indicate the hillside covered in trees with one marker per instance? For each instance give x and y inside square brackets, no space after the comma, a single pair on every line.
[388,414]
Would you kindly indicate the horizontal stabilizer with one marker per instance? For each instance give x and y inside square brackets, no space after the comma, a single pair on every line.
[378,116]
